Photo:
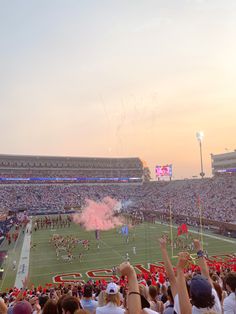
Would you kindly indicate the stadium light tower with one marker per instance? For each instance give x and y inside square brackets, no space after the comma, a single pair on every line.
[200,136]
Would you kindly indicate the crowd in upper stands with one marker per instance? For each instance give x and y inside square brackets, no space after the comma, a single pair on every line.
[216,195]
[190,288]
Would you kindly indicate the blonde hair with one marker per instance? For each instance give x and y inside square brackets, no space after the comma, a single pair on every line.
[102,298]
[113,298]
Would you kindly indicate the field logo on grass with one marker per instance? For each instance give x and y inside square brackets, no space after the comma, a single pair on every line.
[68,278]
[216,260]
[101,273]
[104,273]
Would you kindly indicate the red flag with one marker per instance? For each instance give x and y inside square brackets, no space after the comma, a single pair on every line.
[161,278]
[179,232]
[153,269]
[145,275]
[153,282]
[184,228]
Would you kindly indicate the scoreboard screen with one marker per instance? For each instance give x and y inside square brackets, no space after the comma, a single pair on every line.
[164,171]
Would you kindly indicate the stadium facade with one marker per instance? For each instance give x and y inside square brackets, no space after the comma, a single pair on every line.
[76,169]
[223,163]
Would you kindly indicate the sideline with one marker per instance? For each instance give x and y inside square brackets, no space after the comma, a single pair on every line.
[23,266]
[204,233]
[11,257]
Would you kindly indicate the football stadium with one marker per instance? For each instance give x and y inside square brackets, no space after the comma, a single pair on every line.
[117,157]
[69,221]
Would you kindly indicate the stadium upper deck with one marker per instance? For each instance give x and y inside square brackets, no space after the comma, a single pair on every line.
[223,163]
[15,168]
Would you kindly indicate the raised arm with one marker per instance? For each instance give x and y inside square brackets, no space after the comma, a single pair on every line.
[134,301]
[201,260]
[3,307]
[168,266]
[184,302]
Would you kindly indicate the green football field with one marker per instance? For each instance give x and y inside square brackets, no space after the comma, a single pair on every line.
[44,264]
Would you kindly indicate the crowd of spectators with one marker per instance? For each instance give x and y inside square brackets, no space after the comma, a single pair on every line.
[70,173]
[6,225]
[188,288]
[216,195]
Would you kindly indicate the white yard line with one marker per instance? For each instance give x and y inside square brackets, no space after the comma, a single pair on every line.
[205,234]
[23,265]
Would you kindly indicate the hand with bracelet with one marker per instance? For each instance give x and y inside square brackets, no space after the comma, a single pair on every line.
[198,248]
[201,260]
[134,302]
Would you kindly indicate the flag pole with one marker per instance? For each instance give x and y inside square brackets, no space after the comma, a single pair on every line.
[200,213]
[171,231]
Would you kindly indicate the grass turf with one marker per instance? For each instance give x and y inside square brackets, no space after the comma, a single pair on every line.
[113,248]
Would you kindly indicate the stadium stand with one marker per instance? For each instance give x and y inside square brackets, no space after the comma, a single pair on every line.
[14,168]
[153,196]
[157,291]
[223,163]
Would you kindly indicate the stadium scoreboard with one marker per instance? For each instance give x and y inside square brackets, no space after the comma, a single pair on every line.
[163,171]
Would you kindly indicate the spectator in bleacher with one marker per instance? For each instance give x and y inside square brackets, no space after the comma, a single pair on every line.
[59,304]
[113,304]
[50,307]
[87,302]
[102,298]
[43,300]
[22,307]
[70,305]
[155,305]
[169,305]
[229,303]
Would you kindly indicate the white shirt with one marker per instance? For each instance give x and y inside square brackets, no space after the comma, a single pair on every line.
[110,308]
[229,304]
[149,311]
[217,306]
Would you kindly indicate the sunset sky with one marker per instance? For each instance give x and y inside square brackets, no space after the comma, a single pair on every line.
[119,78]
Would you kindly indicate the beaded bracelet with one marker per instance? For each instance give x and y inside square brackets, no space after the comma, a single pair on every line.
[134,292]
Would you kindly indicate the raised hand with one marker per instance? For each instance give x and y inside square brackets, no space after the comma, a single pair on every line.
[197,245]
[183,260]
[163,242]
[126,269]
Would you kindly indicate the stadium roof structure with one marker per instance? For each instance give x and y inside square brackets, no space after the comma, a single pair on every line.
[65,168]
